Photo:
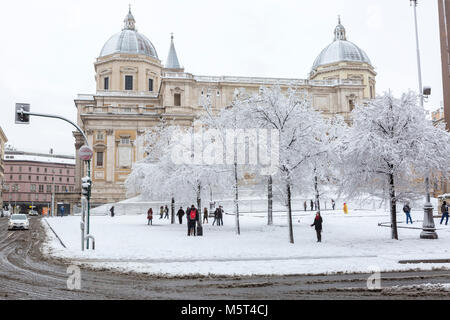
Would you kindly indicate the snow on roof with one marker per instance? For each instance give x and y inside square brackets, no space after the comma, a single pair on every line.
[40,158]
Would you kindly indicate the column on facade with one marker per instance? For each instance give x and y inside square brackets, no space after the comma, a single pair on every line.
[110,155]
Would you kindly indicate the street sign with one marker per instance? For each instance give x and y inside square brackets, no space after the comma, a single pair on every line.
[85,153]
[20,117]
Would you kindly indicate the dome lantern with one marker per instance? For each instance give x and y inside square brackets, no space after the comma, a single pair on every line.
[129,41]
[339,31]
[129,21]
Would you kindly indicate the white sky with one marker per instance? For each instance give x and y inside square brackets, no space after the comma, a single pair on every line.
[48,47]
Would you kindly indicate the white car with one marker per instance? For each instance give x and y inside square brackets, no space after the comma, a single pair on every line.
[33,213]
[18,221]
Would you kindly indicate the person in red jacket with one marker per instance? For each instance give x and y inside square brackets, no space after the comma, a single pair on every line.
[150,216]
[192,217]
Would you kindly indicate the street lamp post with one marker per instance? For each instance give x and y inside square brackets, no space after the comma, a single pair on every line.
[22,116]
[428,227]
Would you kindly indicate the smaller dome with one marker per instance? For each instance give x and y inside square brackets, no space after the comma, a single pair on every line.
[129,41]
[340,50]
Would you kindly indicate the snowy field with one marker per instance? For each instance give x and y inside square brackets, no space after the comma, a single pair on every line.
[350,243]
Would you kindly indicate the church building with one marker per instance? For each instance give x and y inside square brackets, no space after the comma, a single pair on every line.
[135,91]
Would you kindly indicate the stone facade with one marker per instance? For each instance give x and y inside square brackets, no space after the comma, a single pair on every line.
[135,92]
[32,178]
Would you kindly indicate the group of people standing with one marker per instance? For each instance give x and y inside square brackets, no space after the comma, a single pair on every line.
[313,205]
[163,212]
[192,217]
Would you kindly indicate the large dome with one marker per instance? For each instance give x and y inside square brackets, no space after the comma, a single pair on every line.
[129,41]
[340,50]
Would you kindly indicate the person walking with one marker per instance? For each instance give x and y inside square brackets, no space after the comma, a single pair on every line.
[216,214]
[407,211]
[311,204]
[180,215]
[305,205]
[345,208]
[205,215]
[444,211]
[166,211]
[112,211]
[333,204]
[161,212]
[188,220]
[318,226]
[220,216]
[150,216]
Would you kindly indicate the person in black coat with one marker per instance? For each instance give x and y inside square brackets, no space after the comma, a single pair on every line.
[112,211]
[318,226]
[311,204]
[220,216]
[180,215]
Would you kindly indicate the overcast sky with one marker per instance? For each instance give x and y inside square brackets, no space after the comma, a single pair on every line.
[48,48]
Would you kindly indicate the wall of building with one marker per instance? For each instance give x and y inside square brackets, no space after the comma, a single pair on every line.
[32,183]
[3,140]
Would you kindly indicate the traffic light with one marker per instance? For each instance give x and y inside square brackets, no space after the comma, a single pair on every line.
[20,117]
[86,186]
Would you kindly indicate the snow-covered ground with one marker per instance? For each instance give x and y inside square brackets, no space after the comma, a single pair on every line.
[350,243]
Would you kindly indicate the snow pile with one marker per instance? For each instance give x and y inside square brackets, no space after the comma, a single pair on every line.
[422,287]
[351,243]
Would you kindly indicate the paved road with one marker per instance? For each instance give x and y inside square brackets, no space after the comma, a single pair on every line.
[26,274]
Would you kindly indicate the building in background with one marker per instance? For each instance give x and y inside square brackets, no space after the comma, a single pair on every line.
[3,140]
[440,184]
[33,179]
[444,27]
[135,91]
[437,116]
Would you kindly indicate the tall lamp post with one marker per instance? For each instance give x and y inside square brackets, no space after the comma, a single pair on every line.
[428,227]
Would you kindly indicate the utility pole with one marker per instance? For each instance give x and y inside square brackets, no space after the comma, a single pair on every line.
[428,227]
[53,193]
[22,116]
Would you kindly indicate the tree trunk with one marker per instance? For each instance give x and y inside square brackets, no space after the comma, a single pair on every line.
[393,202]
[173,211]
[316,188]
[291,232]
[236,198]
[270,202]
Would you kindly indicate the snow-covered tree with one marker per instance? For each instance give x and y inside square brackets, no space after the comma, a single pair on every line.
[390,148]
[222,123]
[299,128]
[321,169]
